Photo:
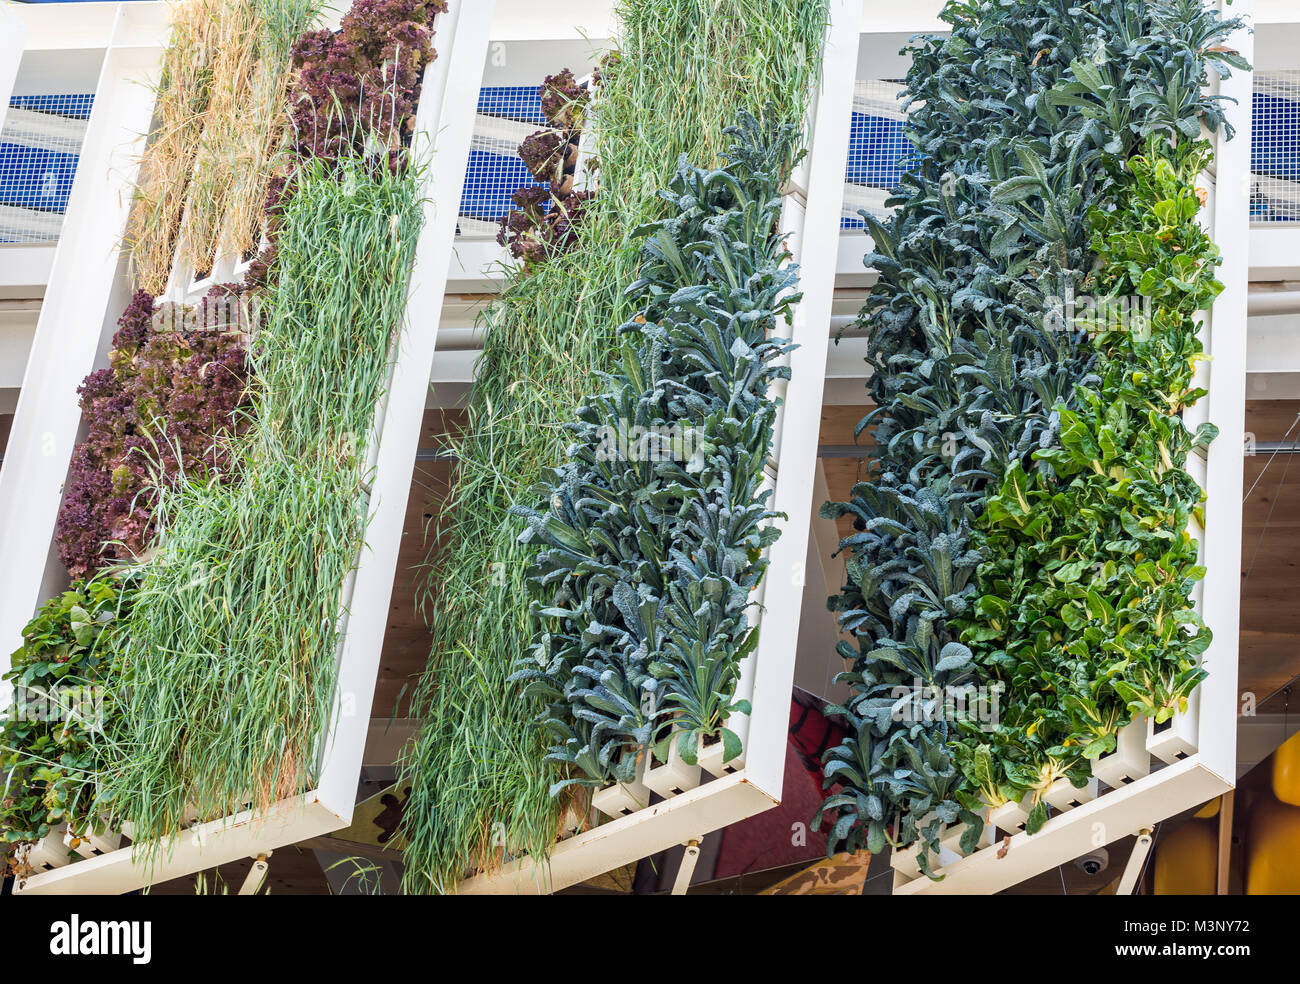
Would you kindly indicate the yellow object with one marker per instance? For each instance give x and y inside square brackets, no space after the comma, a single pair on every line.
[1273,850]
[1187,860]
[1210,809]
[1286,771]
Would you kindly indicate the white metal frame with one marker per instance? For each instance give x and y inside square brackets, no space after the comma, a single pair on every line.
[444,124]
[1199,747]
[757,786]
[13,36]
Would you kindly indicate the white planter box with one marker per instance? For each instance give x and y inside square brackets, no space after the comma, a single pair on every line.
[621,799]
[48,854]
[951,838]
[1176,739]
[710,756]
[1063,795]
[906,863]
[1130,760]
[1010,817]
[89,844]
[673,777]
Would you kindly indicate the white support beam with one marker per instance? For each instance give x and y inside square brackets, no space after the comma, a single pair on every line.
[818,248]
[1225,341]
[1137,860]
[686,870]
[1108,818]
[1273,11]
[13,36]
[528,20]
[206,846]
[1274,250]
[444,129]
[51,27]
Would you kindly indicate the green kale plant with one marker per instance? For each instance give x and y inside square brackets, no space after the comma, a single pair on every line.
[654,532]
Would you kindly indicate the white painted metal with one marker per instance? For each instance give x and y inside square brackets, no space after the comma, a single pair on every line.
[686,869]
[757,786]
[1270,302]
[13,37]
[49,26]
[256,876]
[1136,860]
[444,125]
[1226,344]
[207,845]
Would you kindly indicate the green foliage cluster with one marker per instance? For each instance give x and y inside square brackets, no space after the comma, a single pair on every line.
[52,740]
[1084,609]
[654,533]
[1023,119]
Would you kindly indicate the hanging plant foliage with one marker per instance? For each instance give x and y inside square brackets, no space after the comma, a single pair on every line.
[544,220]
[52,736]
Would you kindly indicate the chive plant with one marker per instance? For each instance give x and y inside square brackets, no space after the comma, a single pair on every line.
[687,70]
[230,667]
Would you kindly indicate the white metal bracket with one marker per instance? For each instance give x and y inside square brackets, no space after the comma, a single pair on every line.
[686,870]
[256,877]
[1136,861]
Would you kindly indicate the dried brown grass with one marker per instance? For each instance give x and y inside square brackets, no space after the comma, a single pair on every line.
[168,161]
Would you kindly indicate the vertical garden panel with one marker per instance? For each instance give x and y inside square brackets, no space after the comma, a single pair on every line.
[441,141]
[1194,758]
[813,222]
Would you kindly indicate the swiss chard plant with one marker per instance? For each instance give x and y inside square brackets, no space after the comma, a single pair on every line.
[654,532]
[1084,608]
[1023,118]
[52,736]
